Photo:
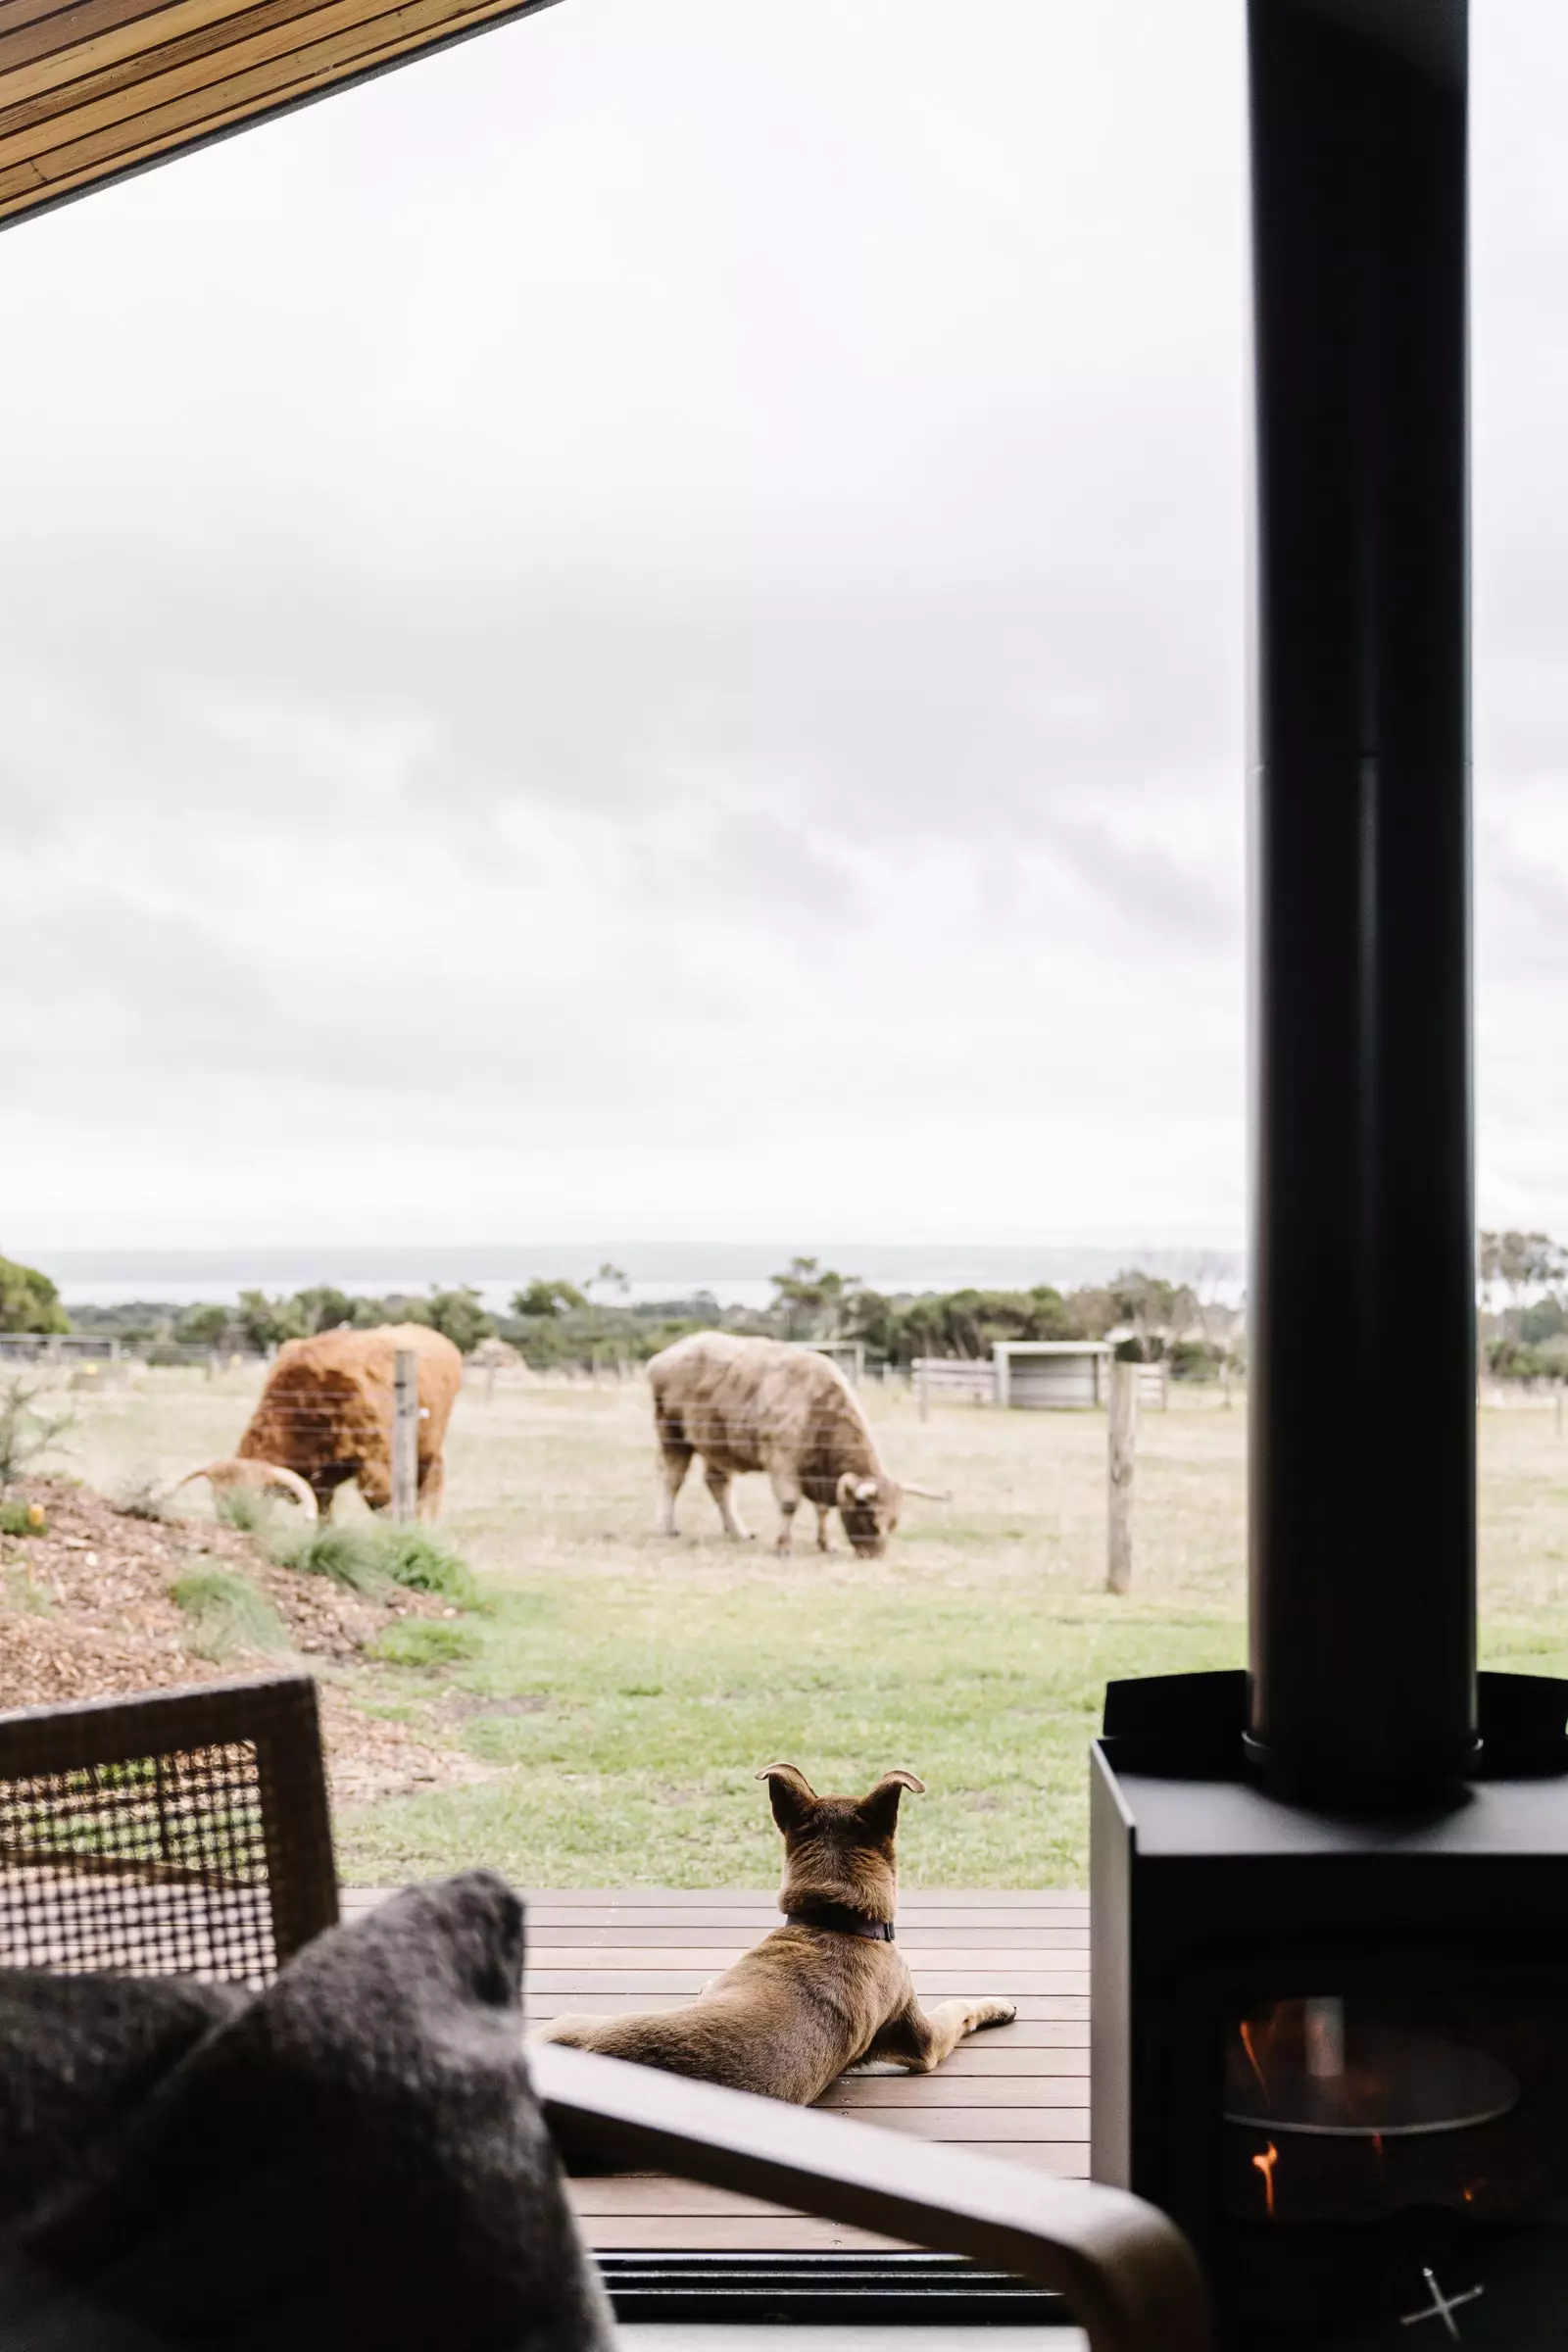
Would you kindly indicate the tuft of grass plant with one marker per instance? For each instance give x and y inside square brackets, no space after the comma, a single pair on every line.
[425,1646]
[427,1565]
[22,1519]
[369,1559]
[228,1612]
[244,1509]
[347,1554]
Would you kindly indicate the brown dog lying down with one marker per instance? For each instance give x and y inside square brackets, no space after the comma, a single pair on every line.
[826,1990]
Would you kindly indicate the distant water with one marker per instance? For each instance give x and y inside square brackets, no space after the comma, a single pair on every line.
[736,1274]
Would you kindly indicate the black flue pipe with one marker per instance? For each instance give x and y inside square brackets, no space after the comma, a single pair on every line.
[1362,1294]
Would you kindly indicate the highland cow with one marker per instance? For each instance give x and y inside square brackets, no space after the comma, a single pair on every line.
[325,1416]
[762,1404]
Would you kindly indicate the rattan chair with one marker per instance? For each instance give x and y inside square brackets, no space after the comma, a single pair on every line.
[188,1832]
[183,1833]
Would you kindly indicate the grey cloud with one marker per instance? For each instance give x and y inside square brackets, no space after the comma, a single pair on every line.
[713,540]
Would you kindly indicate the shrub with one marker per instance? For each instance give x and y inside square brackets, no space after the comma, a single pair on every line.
[1195,1359]
[142,1498]
[22,1519]
[228,1612]
[425,1646]
[25,1432]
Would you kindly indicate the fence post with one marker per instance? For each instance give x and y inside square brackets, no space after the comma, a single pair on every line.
[1123,1442]
[490,1383]
[1557,1385]
[405,1434]
[923,1391]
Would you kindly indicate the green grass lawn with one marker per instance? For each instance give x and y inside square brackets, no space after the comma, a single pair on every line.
[624,1688]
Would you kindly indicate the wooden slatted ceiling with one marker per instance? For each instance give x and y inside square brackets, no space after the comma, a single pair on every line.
[1018,2090]
[96,90]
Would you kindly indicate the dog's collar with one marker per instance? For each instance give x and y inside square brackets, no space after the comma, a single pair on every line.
[843,1921]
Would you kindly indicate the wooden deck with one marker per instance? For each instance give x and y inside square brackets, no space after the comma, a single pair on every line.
[1019,2091]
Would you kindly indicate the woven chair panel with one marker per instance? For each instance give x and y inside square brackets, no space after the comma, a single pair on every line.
[182,1834]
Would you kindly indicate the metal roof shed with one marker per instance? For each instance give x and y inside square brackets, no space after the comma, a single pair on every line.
[1050,1375]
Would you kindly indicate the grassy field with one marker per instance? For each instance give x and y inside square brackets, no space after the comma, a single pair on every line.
[625,1688]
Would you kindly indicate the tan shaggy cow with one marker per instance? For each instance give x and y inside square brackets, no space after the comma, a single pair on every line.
[325,1417]
[762,1404]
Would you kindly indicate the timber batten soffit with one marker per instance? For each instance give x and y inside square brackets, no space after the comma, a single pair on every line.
[98,90]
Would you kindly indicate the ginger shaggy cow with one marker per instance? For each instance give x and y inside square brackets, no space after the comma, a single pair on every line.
[762,1404]
[325,1417]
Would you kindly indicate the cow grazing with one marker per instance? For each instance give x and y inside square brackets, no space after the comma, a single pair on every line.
[325,1416]
[761,1404]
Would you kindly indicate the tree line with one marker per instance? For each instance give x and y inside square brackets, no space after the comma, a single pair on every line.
[559,1320]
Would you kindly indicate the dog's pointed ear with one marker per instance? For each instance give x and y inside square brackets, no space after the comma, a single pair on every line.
[880,1810]
[790,1793]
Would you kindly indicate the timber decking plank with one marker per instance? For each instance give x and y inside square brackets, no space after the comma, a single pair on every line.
[656,1960]
[1060,2010]
[1041,2127]
[728,2234]
[934,2094]
[683,1897]
[549,1935]
[628,1946]
[934,1984]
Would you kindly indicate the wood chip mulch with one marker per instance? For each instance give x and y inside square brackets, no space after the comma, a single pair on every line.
[86,1614]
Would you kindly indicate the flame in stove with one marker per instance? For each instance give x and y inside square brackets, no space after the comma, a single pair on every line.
[1252,2055]
[1265,2164]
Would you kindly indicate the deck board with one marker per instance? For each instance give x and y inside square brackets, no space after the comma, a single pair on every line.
[1018,2091]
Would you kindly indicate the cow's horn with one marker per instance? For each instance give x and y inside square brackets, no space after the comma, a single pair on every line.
[240,1470]
[273,1474]
[926,1494]
[231,1473]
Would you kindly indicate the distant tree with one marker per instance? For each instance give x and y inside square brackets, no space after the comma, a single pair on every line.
[267,1322]
[810,1300]
[1520,1262]
[543,1298]
[1093,1312]
[29,1301]
[204,1326]
[1547,1319]
[325,1308]
[610,1278]
[460,1316]
[956,1323]
[1161,1312]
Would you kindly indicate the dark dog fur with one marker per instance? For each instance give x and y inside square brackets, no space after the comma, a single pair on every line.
[807,2001]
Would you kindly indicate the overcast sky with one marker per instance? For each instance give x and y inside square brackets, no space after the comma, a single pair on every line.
[637,630]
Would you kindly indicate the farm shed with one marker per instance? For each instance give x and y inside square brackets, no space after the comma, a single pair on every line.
[848,1354]
[1050,1375]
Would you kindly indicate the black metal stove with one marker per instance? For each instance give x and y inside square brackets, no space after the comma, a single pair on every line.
[1330,2011]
